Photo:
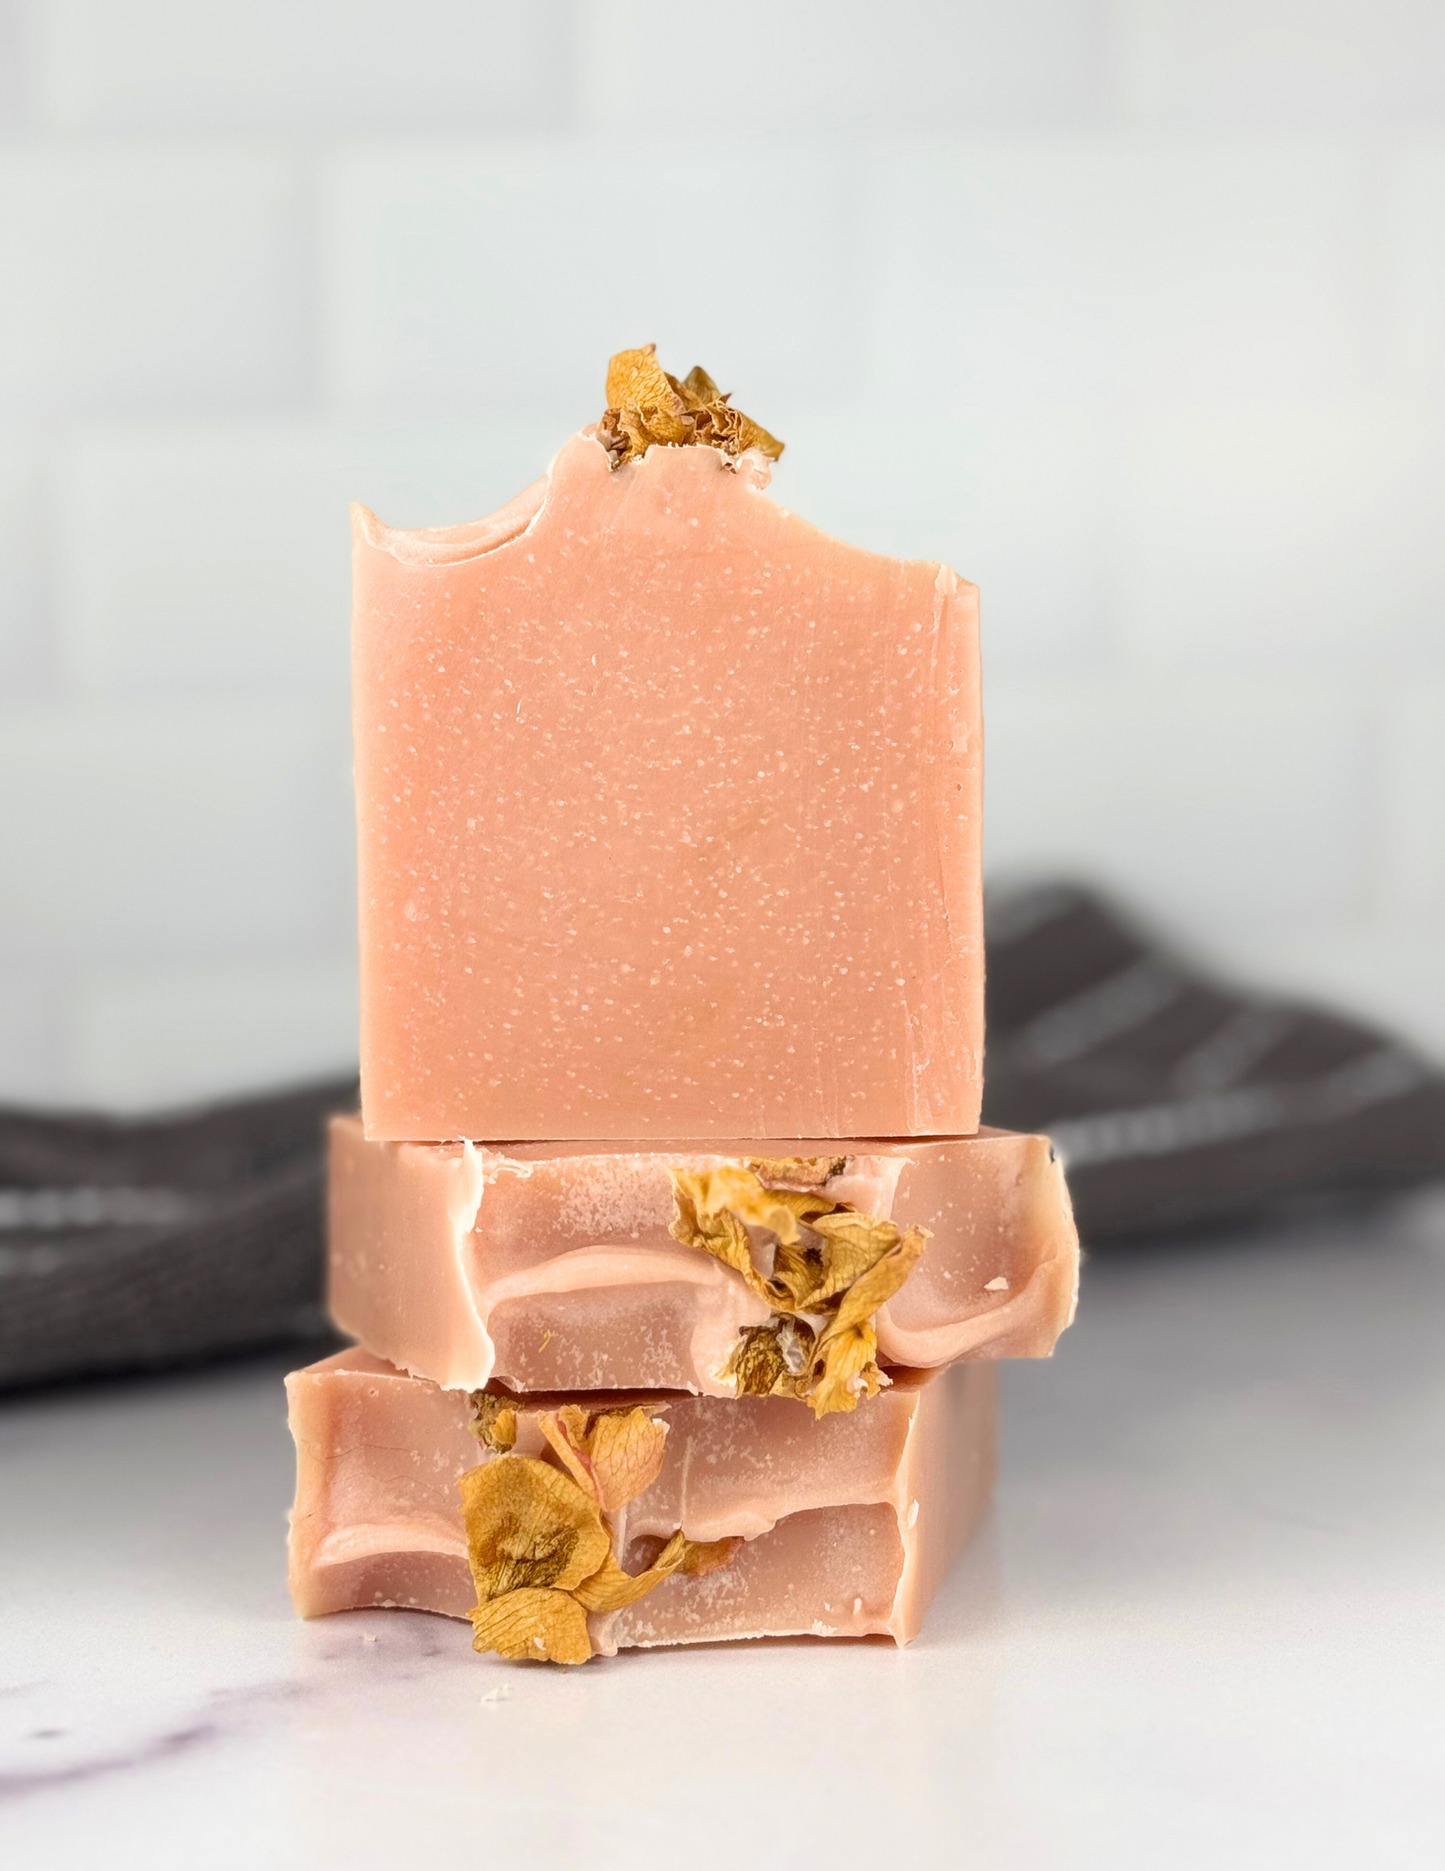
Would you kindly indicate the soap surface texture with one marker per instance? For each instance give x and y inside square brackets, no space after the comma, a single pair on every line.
[848,1525]
[669,818]
[551,1266]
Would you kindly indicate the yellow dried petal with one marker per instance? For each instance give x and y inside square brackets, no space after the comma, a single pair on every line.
[796,1172]
[771,1360]
[529,1525]
[855,1245]
[493,1421]
[610,1588]
[749,434]
[612,1454]
[533,1625]
[830,1260]
[699,389]
[697,1222]
[704,1556]
[711,1203]
[566,1430]
[648,408]
[845,1361]
[739,1192]
[626,1449]
[799,1277]
[845,1369]
[635,380]
[881,1281]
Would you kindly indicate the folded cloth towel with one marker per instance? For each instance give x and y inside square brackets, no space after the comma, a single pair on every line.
[126,1245]
[1177,1102]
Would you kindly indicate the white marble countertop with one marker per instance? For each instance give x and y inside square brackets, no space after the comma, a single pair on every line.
[1206,1627]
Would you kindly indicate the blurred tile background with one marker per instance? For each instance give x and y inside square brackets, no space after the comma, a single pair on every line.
[1133,310]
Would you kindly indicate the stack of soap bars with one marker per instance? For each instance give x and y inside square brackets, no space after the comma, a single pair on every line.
[675,1253]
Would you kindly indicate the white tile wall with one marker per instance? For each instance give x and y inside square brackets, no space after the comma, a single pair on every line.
[151,279]
[1307,536]
[1411,263]
[1413,847]
[303,66]
[1134,310]
[35,1050]
[1119,271]
[757,66]
[1229,803]
[504,277]
[14,54]
[163,832]
[146,1036]
[24,649]
[1296,63]
[202,559]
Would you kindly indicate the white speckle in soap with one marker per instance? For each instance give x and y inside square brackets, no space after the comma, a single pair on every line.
[998,1284]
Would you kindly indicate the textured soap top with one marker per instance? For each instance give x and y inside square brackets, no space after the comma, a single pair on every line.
[669,818]
[846,1527]
[556,1266]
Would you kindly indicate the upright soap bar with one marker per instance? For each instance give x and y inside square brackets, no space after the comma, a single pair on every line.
[669,818]
[848,1525]
[551,1266]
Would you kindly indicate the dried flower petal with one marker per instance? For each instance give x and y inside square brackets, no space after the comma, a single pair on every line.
[697,1222]
[533,1625]
[796,1172]
[647,408]
[637,383]
[613,1454]
[881,1281]
[493,1421]
[856,1243]
[627,1450]
[698,387]
[830,1262]
[845,1369]
[704,1556]
[540,1555]
[529,1525]
[770,1360]
[610,1589]
[733,1189]
[566,1431]
[800,1275]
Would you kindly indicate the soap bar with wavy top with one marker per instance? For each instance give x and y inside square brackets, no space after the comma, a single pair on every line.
[849,1524]
[669,817]
[551,1266]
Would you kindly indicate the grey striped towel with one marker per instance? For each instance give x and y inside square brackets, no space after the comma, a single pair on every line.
[1179,1103]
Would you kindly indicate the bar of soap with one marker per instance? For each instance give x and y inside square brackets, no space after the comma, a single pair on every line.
[550,1266]
[669,818]
[849,1523]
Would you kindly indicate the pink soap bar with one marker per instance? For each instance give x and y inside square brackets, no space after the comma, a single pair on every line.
[850,1523]
[669,813]
[550,1266]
